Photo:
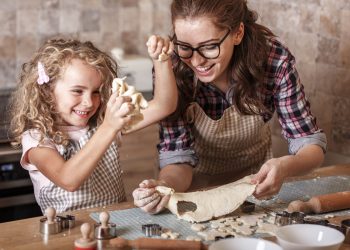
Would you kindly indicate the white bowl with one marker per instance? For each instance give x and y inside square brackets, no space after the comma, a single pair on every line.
[244,244]
[309,237]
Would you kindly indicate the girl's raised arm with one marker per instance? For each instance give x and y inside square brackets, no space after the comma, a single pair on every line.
[165,97]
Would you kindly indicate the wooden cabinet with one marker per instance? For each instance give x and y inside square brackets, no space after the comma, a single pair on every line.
[139,157]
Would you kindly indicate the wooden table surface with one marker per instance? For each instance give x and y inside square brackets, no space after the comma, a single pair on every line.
[24,234]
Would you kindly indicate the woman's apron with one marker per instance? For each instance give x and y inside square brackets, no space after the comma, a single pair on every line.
[229,148]
[103,187]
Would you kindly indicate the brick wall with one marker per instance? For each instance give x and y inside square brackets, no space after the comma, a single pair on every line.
[316,31]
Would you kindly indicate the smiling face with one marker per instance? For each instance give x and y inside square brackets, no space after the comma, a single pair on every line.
[77,94]
[200,31]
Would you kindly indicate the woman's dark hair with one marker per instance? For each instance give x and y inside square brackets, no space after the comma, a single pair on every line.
[249,58]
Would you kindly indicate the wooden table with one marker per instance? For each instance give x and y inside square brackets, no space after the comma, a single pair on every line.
[24,234]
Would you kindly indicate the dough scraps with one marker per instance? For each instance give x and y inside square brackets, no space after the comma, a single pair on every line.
[123,89]
[168,234]
[198,227]
[163,190]
[204,205]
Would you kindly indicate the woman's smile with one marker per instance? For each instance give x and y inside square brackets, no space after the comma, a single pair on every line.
[204,70]
[201,32]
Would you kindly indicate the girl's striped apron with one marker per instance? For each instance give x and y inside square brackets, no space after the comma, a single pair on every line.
[103,187]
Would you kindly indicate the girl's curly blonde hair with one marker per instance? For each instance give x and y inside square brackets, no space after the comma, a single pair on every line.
[32,105]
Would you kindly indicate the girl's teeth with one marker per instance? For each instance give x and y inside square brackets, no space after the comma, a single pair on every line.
[81,112]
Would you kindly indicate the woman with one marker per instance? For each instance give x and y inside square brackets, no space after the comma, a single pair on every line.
[232,75]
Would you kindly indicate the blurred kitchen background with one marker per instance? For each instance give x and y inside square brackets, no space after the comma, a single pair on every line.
[316,31]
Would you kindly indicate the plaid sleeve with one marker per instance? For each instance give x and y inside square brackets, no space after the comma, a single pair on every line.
[292,107]
[175,140]
[174,135]
[176,143]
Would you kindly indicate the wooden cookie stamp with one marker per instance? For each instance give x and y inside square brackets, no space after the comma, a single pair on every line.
[85,243]
[105,230]
[50,224]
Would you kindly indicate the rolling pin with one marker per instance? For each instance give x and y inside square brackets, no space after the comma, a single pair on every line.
[322,204]
[154,243]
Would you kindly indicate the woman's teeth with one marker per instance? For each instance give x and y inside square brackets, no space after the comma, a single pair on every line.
[203,69]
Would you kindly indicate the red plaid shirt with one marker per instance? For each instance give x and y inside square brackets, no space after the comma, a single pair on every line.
[282,93]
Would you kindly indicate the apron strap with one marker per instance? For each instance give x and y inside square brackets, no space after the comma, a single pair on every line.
[190,114]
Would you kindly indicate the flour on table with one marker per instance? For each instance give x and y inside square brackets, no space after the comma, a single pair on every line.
[238,226]
[193,238]
[198,227]
[212,234]
[168,234]
[250,220]
[266,228]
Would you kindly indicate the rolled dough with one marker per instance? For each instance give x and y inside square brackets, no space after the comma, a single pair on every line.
[212,203]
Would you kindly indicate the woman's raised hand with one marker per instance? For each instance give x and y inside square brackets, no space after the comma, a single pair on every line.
[159,48]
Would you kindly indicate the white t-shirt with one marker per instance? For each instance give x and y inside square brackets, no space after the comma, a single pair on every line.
[30,139]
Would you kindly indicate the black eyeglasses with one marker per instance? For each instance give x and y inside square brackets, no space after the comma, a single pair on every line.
[208,51]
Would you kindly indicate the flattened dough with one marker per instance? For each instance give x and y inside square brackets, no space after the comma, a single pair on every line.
[212,203]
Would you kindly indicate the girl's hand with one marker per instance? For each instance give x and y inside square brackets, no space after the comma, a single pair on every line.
[157,44]
[148,199]
[117,111]
[270,178]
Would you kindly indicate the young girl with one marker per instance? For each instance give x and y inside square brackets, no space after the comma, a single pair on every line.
[66,120]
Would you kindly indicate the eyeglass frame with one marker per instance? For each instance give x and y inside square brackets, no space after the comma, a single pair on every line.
[218,44]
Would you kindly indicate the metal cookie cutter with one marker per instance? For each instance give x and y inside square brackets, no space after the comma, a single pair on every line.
[52,224]
[311,220]
[50,227]
[58,224]
[151,230]
[105,233]
[282,218]
[67,221]
[296,218]
[247,207]
[285,218]
[345,224]
[105,230]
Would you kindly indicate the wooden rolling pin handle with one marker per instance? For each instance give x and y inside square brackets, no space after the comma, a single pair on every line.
[152,243]
[322,204]
[300,206]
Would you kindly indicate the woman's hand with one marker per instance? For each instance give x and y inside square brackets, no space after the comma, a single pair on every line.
[148,199]
[117,111]
[157,45]
[270,178]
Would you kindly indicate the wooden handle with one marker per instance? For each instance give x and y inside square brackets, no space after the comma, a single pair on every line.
[299,206]
[322,204]
[153,243]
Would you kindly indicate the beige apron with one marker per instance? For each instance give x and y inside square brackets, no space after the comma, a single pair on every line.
[229,148]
